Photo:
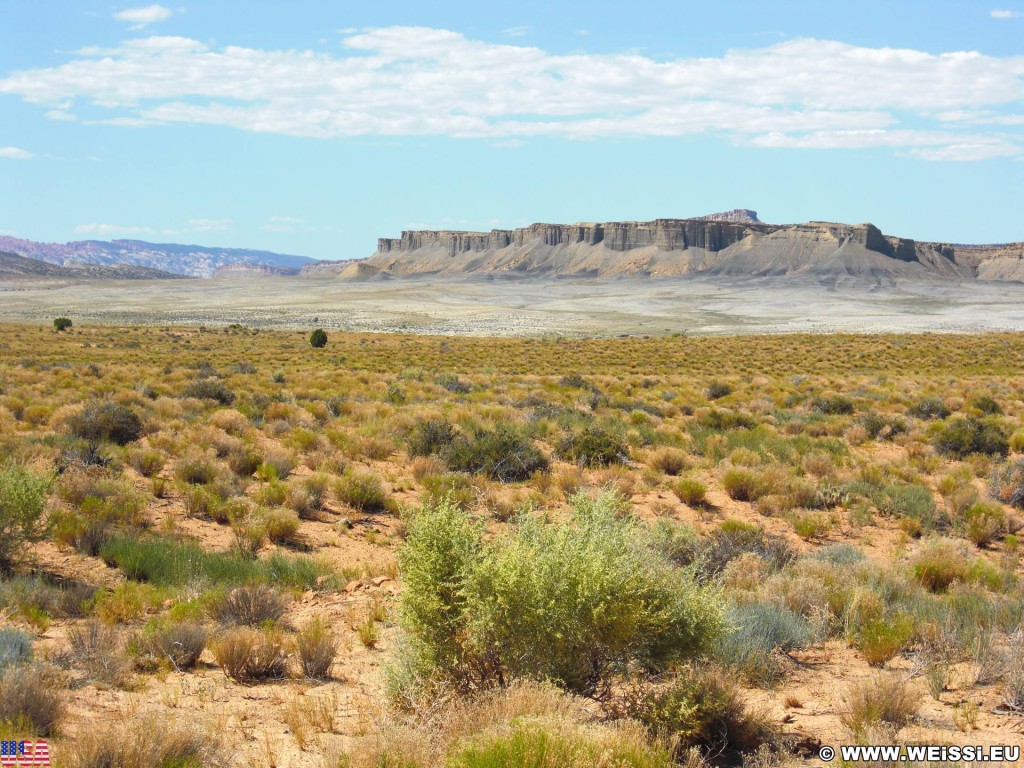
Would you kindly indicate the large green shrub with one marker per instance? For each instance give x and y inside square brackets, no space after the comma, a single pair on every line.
[573,602]
[961,437]
[22,495]
[106,420]
[593,447]
[431,437]
[209,389]
[318,338]
[504,454]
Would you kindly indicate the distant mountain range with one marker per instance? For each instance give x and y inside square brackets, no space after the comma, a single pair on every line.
[172,258]
[732,244]
[13,265]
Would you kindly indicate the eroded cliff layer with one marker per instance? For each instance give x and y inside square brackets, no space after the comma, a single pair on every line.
[735,244]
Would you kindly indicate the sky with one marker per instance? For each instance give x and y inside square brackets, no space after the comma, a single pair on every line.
[314,128]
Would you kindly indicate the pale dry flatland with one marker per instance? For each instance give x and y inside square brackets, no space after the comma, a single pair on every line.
[533,306]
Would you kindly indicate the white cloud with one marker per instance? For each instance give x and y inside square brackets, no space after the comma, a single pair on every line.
[208,225]
[140,17]
[15,153]
[414,81]
[108,230]
[516,32]
[282,224]
[1005,14]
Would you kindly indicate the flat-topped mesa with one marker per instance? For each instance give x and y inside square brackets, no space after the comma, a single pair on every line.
[664,234]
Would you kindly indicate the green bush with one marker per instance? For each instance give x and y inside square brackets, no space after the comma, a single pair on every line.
[504,454]
[690,490]
[575,602]
[717,390]
[539,745]
[759,631]
[832,405]
[209,389]
[361,490]
[913,501]
[592,447]
[22,496]
[106,420]
[699,708]
[15,647]
[431,437]
[62,323]
[963,436]
[987,405]
[929,408]
[318,338]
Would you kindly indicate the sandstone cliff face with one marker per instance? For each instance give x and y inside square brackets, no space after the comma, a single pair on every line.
[735,244]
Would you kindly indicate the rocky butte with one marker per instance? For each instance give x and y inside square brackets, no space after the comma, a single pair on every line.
[735,244]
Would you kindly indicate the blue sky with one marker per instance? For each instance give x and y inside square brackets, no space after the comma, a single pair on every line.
[315,127]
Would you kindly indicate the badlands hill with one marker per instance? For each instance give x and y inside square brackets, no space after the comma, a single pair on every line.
[735,244]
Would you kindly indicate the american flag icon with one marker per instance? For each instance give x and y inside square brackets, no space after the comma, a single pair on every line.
[24,753]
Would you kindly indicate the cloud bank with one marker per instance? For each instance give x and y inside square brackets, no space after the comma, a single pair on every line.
[414,81]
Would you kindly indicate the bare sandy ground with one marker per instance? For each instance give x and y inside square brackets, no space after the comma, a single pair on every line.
[530,306]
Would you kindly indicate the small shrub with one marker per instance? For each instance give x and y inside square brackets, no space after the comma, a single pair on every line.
[196,467]
[881,638]
[62,323]
[939,563]
[456,487]
[883,699]
[431,437]
[1007,484]
[31,699]
[22,496]
[880,427]
[690,491]
[759,631]
[97,650]
[929,408]
[671,461]
[592,447]
[249,605]
[103,420]
[317,646]
[149,741]
[318,338]
[15,647]
[832,405]
[452,383]
[744,484]
[281,525]
[962,436]
[361,490]
[699,708]
[248,654]
[717,390]
[504,454]
[146,461]
[983,521]
[209,389]
[180,644]
[987,405]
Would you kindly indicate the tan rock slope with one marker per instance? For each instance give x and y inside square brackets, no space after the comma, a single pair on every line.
[735,244]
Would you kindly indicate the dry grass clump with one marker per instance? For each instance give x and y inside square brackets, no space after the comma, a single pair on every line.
[361,490]
[523,724]
[31,699]
[884,698]
[247,654]
[317,646]
[150,741]
[939,563]
[179,644]
[98,650]
[670,461]
[249,605]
